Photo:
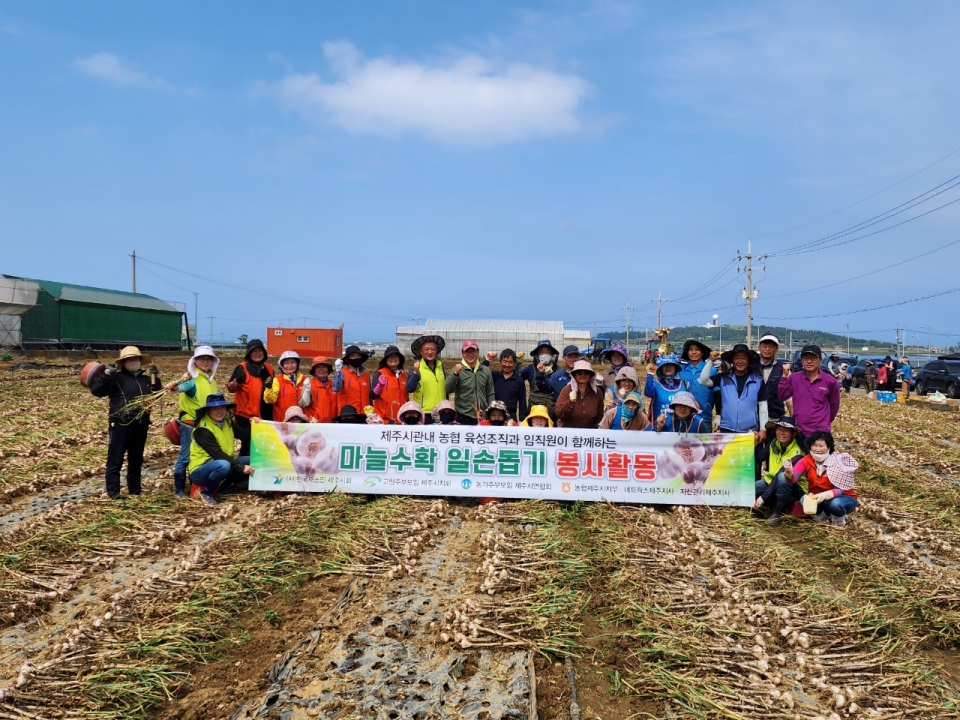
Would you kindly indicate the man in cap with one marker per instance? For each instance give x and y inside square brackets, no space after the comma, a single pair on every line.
[562,377]
[815,394]
[473,384]
[123,381]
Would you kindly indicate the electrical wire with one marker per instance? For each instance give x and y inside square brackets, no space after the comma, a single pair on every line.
[847,207]
[855,312]
[822,243]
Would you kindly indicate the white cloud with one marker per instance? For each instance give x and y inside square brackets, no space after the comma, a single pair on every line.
[469,100]
[114,70]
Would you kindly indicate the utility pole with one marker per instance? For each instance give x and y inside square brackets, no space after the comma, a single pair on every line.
[196,319]
[211,329]
[659,308]
[134,256]
[848,339]
[928,343]
[749,294]
[627,310]
[594,328]
[898,340]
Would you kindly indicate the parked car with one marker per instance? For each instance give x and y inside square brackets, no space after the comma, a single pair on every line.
[858,371]
[942,375]
[795,366]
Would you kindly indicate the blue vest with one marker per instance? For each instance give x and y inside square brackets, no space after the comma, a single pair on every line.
[740,413]
[662,396]
[702,394]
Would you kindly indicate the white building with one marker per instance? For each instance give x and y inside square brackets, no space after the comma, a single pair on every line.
[495,335]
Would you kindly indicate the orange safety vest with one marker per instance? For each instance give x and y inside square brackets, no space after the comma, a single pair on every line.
[248,396]
[355,392]
[392,396]
[323,401]
[288,395]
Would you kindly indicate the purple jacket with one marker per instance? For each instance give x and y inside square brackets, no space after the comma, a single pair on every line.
[815,404]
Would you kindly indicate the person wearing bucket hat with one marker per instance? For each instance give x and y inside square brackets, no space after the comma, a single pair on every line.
[538,416]
[815,394]
[194,388]
[351,381]
[472,383]
[349,416]
[247,384]
[581,403]
[123,381]
[682,416]
[662,386]
[212,462]
[776,489]
[496,415]
[829,477]
[287,388]
[426,382]
[628,415]
[320,402]
[390,389]
[694,357]
[618,357]
[743,396]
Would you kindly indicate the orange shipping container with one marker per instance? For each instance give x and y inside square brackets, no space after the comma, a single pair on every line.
[306,342]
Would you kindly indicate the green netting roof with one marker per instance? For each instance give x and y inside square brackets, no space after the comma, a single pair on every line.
[101,296]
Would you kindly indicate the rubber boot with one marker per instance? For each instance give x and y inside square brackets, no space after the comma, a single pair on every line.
[179,485]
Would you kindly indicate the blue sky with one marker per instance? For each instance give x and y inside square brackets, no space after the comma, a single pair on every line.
[370,163]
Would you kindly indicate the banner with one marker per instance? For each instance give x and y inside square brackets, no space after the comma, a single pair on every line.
[504,462]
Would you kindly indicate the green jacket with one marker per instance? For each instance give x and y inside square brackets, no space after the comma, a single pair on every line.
[473,387]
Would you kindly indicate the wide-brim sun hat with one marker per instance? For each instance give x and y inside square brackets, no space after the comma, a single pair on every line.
[215,400]
[538,411]
[615,348]
[665,360]
[423,340]
[356,349]
[392,350]
[255,345]
[840,469]
[754,356]
[704,350]
[348,414]
[202,351]
[130,352]
[786,422]
[582,365]
[686,399]
[320,360]
[542,344]
[295,411]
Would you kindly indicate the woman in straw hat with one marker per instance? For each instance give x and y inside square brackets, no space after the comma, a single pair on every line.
[123,381]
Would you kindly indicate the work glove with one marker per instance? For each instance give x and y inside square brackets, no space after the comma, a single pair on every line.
[268,383]
[824,496]
[338,365]
[232,386]
[381,384]
[715,423]
[573,395]
[758,503]
[153,370]
[305,395]
[110,369]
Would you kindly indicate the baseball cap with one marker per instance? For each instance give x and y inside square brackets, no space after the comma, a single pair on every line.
[571,350]
[467,344]
[770,338]
[811,350]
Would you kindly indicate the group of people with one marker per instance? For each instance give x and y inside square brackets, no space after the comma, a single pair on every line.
[701,391]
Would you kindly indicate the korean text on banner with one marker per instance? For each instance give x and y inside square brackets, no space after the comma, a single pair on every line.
[505,462]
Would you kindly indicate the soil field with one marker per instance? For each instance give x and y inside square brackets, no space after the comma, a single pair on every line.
[329,606]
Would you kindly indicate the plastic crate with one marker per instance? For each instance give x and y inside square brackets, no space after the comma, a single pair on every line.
[885,396]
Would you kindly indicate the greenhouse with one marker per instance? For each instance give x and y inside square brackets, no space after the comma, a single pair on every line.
[493,335]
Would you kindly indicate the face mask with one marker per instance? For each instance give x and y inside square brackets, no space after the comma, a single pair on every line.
[131,365]
[447,417]
[545,359]
[628,414]
[411,420]
[820,457]
[497,422]
[355,362]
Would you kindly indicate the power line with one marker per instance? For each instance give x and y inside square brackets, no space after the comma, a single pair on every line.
[879,307]
[821,244]
[878,192]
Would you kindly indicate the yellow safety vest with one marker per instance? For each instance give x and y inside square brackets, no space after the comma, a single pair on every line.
[224,435]
[190,405]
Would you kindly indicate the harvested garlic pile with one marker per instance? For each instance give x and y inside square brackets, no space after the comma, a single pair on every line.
[421,534]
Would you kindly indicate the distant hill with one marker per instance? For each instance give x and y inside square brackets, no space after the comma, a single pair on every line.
[738,333]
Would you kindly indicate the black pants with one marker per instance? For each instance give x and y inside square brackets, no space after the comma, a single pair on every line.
[244,423]
[126,440]
[466,419]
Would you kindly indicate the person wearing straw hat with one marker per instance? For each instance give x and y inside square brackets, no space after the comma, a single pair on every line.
[581,403]
[123,381]
[830,495]
[426,382]
[352,383]
[390,388]
[212,462]
[319,400]
[194,388]
[472,382]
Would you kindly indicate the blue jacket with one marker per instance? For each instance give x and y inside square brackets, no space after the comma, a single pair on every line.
[741,413]
[702,394]
[557,381]
[660,395]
